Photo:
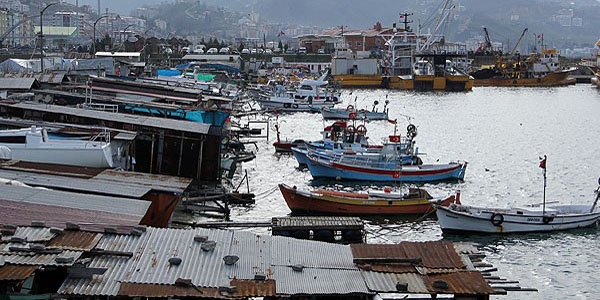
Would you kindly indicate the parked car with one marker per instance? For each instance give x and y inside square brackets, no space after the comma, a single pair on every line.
[268,51]
[302,50]
[198,51]
[235,51]
[290,51]
[224,50]
[253,51]
[245,51]
[321,51]
[212,51]
[185,50]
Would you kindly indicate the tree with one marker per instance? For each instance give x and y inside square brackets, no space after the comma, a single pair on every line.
[280,45]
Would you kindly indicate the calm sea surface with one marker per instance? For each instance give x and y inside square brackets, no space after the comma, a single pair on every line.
[500,132]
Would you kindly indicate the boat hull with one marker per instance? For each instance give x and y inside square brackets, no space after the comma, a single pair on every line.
[453,219]
[343,203]
[99,157]
[552,79]
[322,168]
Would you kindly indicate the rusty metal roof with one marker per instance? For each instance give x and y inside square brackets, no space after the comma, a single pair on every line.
[15,272]
[435,254]
[462,283]
[23,213]
[244,289]
[75,240]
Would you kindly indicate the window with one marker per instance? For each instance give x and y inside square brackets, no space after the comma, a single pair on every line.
[358,44]
[12,139]
[349,44]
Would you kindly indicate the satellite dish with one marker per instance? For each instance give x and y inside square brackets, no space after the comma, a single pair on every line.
[132,39]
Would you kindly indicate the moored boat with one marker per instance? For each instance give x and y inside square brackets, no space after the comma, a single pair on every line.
[350,113]
[458,218]
[416,201]
[348,169]
[34,145]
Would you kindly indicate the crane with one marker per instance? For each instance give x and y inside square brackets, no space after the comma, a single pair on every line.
[488,41]
[512,52]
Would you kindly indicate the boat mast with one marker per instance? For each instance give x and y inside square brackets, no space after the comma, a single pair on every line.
[543,166]
[597,196]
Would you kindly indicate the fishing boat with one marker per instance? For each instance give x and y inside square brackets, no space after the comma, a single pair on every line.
[458,218]
[309,95]
[34,145]
[351,113]
[348,169]
[596,79]
[416,201]
[537,70]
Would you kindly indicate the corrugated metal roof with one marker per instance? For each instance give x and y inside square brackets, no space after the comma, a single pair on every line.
[23,83]
[108,284]
[23,213]
[254,252]
[244,289]
[205,269]
[13,272]
[52,78]
[75,240]
[310,221]
[389,267]
[463,283]
[318,281]
[41,259]
[162,123]
[288,252]
[386,282]
[31,234]
[434,254]
[122,189]
[154,181]
[75,200]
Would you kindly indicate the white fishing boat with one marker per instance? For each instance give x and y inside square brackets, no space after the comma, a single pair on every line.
[458,218]
[34,145]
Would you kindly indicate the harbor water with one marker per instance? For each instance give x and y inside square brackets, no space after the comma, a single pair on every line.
[501,133]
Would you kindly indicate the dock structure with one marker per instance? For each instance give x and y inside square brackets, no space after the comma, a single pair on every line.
[320,228]
[73,263]
[162,146]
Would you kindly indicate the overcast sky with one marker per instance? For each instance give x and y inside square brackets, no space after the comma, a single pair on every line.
[119,6]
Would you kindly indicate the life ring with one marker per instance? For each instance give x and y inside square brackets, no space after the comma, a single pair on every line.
[497,219]
[350,129]
[350,107]
[295,106]
[361,129]
[546,219]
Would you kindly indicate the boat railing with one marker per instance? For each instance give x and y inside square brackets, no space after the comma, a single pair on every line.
[102,136]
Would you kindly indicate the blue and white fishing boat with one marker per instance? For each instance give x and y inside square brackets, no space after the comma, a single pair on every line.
[351,113]
[348,168]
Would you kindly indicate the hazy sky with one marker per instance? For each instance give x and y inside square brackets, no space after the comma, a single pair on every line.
[119,6]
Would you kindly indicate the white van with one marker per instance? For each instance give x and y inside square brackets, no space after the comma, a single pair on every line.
[302,50]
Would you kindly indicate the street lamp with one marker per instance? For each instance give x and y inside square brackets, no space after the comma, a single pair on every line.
[122,33]
[42,35]
[94,40]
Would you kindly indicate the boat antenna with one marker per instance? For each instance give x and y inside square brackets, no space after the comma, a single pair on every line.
[543,166]
[597,196]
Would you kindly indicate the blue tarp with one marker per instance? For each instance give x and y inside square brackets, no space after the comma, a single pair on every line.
[169,72]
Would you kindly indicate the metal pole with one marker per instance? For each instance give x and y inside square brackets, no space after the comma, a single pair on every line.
[42,36]
[94,30]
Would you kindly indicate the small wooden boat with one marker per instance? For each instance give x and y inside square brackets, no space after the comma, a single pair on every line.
[417,201]
[458,218]
[285,146]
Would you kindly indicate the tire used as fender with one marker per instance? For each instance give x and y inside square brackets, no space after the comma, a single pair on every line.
[497,219]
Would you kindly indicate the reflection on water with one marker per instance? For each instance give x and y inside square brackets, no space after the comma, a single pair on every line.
[501,132]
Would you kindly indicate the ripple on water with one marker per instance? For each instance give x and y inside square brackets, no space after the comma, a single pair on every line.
[501,132]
